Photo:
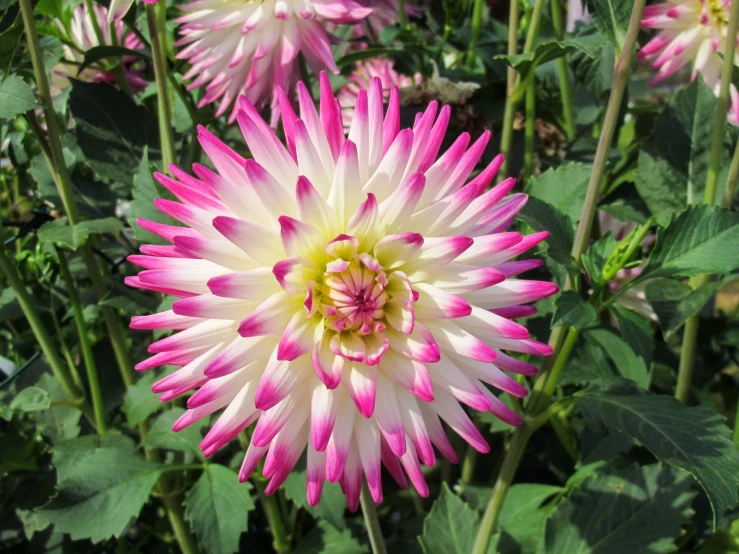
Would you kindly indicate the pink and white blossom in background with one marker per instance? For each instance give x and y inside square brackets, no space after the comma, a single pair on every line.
[119,8]
[251,47]
[691,32]
[83,37]
[346,292]
[361,78]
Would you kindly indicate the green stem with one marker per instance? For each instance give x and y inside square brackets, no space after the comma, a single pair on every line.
[468,466]
[564,78]
[176,516]
[402,14]
[530,129]
[728,200]
[94,20]
[85,344]
[477,13]
[58,367]
[372,522]
[547,381]
[690,334]
[156,19]
[274,518]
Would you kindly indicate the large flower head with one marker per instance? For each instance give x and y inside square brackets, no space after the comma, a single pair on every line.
[83,37]
[691,32]
[251,46]
[346,293]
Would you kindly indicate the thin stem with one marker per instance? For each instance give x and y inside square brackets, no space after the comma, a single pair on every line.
[156,19]
[564,78]
[530,129]
[372,522]
[477,13]
[280,541]
[468,466]
[402,14]
[85,344]
[731,181]
[42,335]
[690,333]
[547,382]
[94,20]
[176,516]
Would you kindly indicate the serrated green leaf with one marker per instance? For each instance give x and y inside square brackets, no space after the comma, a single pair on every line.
[522,518]
[627,363]
[450,527]
[674,301]
[16,97]
[332,506]
[139,402]
[563,187]
[572,311]
[636,332]
[324,538]
[31,399]
[217,506]
[57,422]
[612,18]
[112,130]
[673,165]
[594,72]
[541,216]
[700,240]
[637,509]
[107,51]
[103,483]
[62,233]
[594,259]
[161,434]
[693,439]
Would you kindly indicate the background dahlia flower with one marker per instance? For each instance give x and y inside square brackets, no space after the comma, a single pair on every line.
[251,47]
[364,72]
[690,32]
[119,8]
[346,293]
[83,36]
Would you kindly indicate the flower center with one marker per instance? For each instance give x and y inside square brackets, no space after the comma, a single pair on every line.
[353,299]
[716,12]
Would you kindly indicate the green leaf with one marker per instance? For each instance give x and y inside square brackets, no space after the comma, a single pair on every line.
[700,240]
[31,399]
[217,506]
[332,506]
[16,97]
[541,216]
[145,190]
[594,72]
[587,363]
[57,422]
[360,55]
[161,435]
[522,518]
[324,538]
[139,402]
[674,301]
[544,52]
[595,258]
[628,364]
[693,439]
[98,53]
[673,165]
[112,130]
[636,509]
[572,311]
[563,188]
[612,18]
[103,483]
[62,233]
[636,331]
[450,527]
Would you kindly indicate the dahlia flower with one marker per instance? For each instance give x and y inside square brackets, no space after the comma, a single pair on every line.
[346,293]
[692,31]
[363,74]
[251,47]
[82,35]
[119,8]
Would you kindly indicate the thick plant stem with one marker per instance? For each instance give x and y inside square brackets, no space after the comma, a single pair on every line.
[280,541]
[530,129]
[58,367]
[732,180]
[402,14]
[547,381]
[85,344]
[176,516]
[156,20]
[372,522]
[565,93]
[690,333]
[477,11]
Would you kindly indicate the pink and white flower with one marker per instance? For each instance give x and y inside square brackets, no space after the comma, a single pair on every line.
[344,292]
[119,8]
[251,47]
[364,72]
[83,37]
[691,32]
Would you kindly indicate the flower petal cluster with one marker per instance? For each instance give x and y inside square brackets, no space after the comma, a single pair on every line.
[690,32]
[119,8]
[83,37]
[346,293]
[251,47]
